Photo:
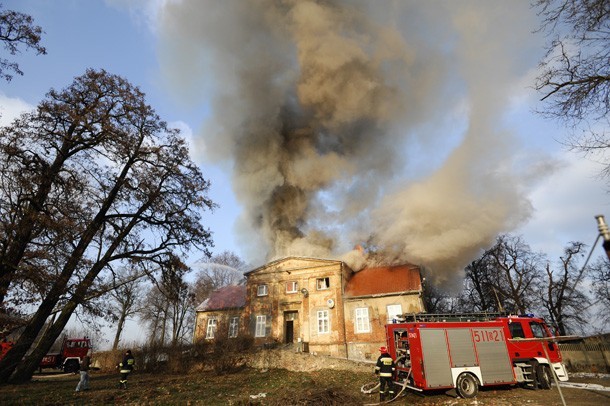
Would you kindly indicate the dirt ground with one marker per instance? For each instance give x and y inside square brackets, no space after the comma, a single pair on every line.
[269,387]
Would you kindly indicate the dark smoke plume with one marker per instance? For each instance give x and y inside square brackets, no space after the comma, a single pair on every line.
[354,121]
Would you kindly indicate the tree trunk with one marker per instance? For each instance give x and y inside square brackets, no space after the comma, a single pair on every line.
[164,325]
[9,363]
[26,339]
[29,365]
[24,371]
[119,330]
[153,331]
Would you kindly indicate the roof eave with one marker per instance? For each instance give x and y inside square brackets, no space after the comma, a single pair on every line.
[221,309]
[270,264]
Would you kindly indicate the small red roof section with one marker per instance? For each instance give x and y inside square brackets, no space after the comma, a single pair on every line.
[384,280]
[227,297]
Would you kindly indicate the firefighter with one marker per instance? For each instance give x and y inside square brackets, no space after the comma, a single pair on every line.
[385,368]
[126,366]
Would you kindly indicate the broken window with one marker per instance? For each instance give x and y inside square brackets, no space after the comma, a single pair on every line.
[323,283]
[362,320]
[261,326]
[323,322]
[209,333]
[262,290]
[233,326]
[292,287]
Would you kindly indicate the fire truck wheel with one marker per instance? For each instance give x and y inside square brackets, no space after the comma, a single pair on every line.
[543,373]
[467,385]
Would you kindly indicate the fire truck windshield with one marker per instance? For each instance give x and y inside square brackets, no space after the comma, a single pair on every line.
[538,330]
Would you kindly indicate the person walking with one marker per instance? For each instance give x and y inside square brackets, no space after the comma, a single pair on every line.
[126,366]
[84,366]
[385,368]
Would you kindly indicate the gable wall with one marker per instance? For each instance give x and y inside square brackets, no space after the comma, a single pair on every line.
[279,305]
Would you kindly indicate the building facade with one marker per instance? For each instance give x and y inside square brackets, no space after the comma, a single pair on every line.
[320,305]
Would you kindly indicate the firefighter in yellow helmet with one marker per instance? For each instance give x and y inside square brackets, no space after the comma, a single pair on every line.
[385,368]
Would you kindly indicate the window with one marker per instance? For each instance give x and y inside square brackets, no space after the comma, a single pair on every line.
[262,290]
[261,326]
[292,287]
[394,311]
[538,330]
[233,327]
[516,330]
[209,333]
[323,283]
[362,320]
[323,322]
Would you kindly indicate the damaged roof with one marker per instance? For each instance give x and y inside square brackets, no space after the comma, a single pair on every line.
[384,280]
[227,297]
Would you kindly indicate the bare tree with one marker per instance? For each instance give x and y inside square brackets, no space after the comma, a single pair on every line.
[135,195]
[180,299]
[575,75]
[17,29]
[153,313]
[436,297]
[182,313]
[169,306]
[600,276]
[564,296]
[479,293]
[517,271]
[126,300]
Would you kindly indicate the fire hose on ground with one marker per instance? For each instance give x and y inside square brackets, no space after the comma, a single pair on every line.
[373,386]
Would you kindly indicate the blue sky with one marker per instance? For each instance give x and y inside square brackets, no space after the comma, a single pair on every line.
[168,63]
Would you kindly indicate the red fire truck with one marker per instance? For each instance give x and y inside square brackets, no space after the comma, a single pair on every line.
[5,345]
[465,351]
[70,355]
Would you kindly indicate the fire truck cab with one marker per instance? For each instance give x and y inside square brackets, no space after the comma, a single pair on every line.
[465,351]
[70,355]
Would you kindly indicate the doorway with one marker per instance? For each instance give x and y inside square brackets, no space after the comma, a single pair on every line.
[290,326]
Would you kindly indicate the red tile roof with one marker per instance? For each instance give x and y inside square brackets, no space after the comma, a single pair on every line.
[227,297]
[384,280]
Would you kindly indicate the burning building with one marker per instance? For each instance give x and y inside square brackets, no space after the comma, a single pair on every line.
[318,305]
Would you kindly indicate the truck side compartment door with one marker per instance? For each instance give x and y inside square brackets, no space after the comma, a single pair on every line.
[437,367]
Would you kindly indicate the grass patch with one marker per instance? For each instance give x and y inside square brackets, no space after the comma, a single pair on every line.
[280,387]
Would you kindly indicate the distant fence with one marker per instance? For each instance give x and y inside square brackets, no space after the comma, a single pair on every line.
[586,356]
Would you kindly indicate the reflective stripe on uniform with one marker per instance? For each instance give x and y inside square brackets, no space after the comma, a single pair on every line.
[387,360]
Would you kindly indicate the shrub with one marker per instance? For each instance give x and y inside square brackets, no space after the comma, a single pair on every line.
[227,354]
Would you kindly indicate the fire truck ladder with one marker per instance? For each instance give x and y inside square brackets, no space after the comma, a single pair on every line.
[427,317]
